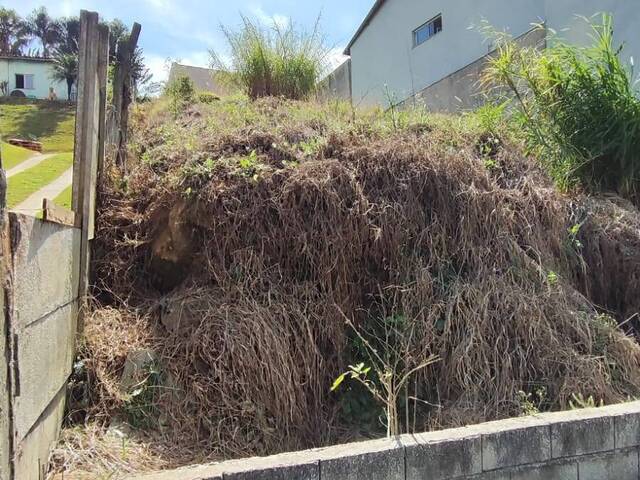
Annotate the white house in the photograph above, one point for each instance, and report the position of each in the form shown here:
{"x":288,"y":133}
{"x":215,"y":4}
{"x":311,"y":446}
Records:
{"x":428,"y":49}
{"x":31,"y":76}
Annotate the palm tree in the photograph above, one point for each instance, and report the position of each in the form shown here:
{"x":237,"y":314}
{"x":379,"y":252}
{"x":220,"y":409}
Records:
{"x":45,"y":29}
{"x":69,"y":34}
{"x":65,"y":68}
{"x":14,"y":32}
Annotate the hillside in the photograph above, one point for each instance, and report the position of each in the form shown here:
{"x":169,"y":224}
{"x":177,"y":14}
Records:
{"x":249,"y":236}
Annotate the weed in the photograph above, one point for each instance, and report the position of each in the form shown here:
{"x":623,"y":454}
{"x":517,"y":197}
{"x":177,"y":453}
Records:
{"x":181,"y":93}
{"x":531,"y":403}
{"x":578,"y":402}
{"x":579,"y":109}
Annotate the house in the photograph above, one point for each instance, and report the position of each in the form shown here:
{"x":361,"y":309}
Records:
{"x":204,"y":79}
{"x":30,"y":77}
{"x":433,"y":50}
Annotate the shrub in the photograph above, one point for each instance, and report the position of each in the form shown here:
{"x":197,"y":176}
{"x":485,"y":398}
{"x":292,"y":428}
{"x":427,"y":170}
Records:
{"x":579,"y":109}
{"x":207,"y":97}
{"x":276,"y":61}
{"x":181,"y":93}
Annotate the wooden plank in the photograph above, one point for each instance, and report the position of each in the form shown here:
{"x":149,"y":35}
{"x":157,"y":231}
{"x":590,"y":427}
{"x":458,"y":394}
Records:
{"x":53,"y":213}
{"x":103,"y":64}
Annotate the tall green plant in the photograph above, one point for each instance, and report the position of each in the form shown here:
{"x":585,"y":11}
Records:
{"x":276,"y":61}
{"x":579,"y":108}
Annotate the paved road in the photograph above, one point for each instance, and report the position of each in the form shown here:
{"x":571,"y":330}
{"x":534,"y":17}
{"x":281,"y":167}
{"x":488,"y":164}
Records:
{"x":33,"y":204}
{"x":31,"y":162}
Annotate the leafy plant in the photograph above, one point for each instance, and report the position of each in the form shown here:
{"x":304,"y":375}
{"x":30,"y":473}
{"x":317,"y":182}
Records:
{"x":578,"y":402}
{"x":531,"y":403}
{"x":391,"y":365}
{"x":579,"y":108}
{"x":140,"y":402}
{"x":181,"y":93}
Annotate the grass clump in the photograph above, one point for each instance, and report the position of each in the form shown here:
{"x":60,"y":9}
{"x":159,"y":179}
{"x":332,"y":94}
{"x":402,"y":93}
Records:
{"x":279,"y":61}
{"x":579,"y":108}
{"x":181,"y":93}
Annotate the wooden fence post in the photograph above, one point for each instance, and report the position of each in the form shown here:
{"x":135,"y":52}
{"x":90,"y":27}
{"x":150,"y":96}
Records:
{"x":90,"y":117}
{"x":122,"y":95}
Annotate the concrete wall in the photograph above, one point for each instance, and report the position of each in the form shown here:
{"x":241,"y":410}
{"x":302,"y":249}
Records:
{"x":43,"y":315}
{"x":337,"y":85}
{"x":42,"y":72}
{"x":383,"y":57}
{"x":384,"y":52}
{"x":594,"y":444}
{"x":462,"y":90}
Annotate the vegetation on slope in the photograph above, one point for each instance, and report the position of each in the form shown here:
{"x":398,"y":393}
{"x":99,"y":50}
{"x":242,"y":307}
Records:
{"x":13,"y":156}
{"x":23,"y":184}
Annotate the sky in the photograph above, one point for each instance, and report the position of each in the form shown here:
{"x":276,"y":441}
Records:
{"x":186,"y":30}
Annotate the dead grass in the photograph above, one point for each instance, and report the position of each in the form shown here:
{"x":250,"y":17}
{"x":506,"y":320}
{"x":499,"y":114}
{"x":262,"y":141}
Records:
{"x":244,"y":230}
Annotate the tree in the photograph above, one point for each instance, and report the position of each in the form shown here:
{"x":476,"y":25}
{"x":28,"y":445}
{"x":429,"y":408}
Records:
{"x":45,"y":29}
{"x":65,"y":68}
{"x":69,"y":35}
{"x":14,"y":32}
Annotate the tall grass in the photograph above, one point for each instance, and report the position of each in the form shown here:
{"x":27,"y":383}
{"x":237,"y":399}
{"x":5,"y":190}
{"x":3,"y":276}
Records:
{"x":277,"y":61}
{"x":579,"y":107}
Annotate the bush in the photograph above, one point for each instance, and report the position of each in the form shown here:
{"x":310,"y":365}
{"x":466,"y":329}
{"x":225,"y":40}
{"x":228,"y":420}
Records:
{"x":579,"y":109}
{"x":181,"y":93}
{"x":207,"y":97}
{"x":278,"y":61}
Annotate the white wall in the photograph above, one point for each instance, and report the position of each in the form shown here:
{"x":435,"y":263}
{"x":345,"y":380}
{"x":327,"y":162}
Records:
{"x":384,"y":53}
{"x":42,"y":72}
{"x":561,"y":17}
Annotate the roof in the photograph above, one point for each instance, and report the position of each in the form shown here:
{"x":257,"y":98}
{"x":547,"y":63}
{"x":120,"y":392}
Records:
{"x":202,"y":78}
{"x":25,"y":58}
{"x":364,"y":24}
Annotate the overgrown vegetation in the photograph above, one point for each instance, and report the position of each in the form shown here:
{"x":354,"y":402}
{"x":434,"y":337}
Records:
{"x":281,"y":61}
{"x":579,"y":107}
{"x":181,"y":93}
{"x":247,"y":231}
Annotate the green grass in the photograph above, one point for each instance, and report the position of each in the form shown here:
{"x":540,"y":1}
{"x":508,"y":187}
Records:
{"x":64,"y":199}
{"x":12,"y":155}
{"x":30,"y":181}
{"x":51,"y":123}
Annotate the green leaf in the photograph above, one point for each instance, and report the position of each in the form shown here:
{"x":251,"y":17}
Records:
{"x":337,"y":382}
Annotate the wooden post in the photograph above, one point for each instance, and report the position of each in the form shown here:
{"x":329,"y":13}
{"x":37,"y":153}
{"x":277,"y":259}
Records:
{"x":90,"y":111}
{"x":122,"y":94}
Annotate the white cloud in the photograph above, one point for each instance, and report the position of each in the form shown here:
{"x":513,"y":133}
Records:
{"x":281,"y":21}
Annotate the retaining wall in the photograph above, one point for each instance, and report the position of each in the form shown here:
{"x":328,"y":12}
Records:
{"x":591,"y":444}
{"x":337,"y":85}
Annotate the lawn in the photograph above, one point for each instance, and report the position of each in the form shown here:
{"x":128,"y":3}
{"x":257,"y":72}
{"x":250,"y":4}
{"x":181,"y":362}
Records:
{"x":52,"y":123}
{"x":12,"y":155}
{"x":25,"y":183}
{"x":64,"y":199}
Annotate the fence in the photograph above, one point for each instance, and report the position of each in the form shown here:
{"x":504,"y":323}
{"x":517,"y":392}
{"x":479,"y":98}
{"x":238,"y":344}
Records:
{"x":44,"y":271}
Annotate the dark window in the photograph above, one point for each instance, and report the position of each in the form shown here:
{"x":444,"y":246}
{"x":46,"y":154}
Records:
{"x":24,"y":81}
{"x":426,"y":31}
{"x":19,"y":80}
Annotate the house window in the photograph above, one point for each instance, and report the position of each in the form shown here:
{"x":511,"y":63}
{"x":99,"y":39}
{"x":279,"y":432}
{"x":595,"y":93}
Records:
{"x":426,"y":31}
{"x":24,"y":82}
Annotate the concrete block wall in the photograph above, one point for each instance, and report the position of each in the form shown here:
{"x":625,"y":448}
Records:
{"x":590,"y":444}
{"x":42,"y":323}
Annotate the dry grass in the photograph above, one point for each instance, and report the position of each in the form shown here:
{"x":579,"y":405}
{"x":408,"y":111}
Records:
{"x":245,"y":230}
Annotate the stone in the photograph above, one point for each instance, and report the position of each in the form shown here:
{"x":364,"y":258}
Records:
{"x":560,"y":471}
{"x":616,"y":466}
{"x":581,"y":436}
{"x":530,"y":444}
{"x":442,"y":459}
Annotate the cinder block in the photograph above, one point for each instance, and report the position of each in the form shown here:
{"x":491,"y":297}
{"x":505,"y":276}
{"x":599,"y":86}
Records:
{"x":276,"y":472}
{"x":562,"y":471}
{"x":530,"y":444}
{"x":496,"y":475}
{"x":582,"y":436}
{"x":627,"y":428}
{"x":374,"y":460}
{"x":443,"y":459}
{"x":617,"y":466}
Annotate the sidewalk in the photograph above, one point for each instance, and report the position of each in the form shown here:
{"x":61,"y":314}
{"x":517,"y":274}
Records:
{"x":33,"y":204}
{"x":31,"y":162}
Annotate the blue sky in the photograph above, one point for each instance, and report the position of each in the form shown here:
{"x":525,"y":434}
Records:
{"x":187,"y":29}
